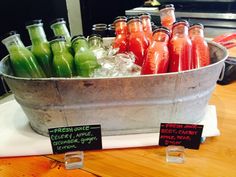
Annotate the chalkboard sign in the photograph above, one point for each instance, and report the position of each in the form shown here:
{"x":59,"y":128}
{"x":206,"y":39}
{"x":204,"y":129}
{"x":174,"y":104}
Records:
{"x":187,"y":135}
{"x":66,"y":139}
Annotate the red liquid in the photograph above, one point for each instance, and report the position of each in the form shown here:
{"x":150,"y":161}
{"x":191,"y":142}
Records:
{"x":157,"y":55}
{"x":137,"y":41}
{"x":180,"y":54}
{"x":121,"y":36}
{"x":167,"y":22}
{"x":156,"y":60}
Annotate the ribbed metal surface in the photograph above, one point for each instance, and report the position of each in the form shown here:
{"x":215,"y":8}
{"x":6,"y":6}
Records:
{"x":121,"y":105}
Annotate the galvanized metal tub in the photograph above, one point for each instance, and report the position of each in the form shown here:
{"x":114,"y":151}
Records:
{"x":123,"y":105}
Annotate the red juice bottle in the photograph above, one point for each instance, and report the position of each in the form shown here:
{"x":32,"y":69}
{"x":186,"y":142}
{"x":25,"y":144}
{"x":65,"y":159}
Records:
{"x":180,"y":48}
{"x":167,"y":15}
{"x":200,"y":49}
{"x":157,"y":55}
{"x":147,"y":26}
{"x":137,"y":41}
{"x":121,"y":40}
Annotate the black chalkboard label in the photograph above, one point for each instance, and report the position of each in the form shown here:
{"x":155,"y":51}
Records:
{"x":187,"y":135}
{"x":66,"y":139}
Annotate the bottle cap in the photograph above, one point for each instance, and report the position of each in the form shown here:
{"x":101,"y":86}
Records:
{"x":120,"y":18}
{"x":33,"y":22}
{"x":8,"y":34}
{"x":145,"y":14}
{"x":166,"y":6}
{"x":11,"y":33}
{"x":133,"y":18}
{"x":57,"y":20}
{"x":80,"y":36}
{"x":100,"y":25}
{"x":57,"y":38}
{"x":163,"y":29}
{"x":111,"y":26}
{"x":197,"y":25}
{"x":95,"y":35}
{"x":184,"y":22}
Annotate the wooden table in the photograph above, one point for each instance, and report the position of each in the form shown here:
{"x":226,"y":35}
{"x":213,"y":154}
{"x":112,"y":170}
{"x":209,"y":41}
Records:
{"x":215,"y":158}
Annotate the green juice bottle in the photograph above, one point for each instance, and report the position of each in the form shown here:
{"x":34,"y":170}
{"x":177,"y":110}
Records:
{"x":63,"y":61}
{"x":40,"y":46}
{"x":85,"y":60}
{"x":59,"y":28}
{"x":24,"y":63}
{"x":79,"y":43}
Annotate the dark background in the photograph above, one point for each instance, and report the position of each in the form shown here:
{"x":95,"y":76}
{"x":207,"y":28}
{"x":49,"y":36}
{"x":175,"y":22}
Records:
{"x":15,"y":13}
{"x":104,"y":11}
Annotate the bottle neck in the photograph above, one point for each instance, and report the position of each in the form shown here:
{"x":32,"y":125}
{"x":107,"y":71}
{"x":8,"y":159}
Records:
{"x":196,"y":32}
{"x":80,"y":45}
{"x":37,"y":34}
{"x":121,"y":27}
{"x":60,"y":29}
{"x":161,"y":37}
{"x":180,"y":31}
{"x":59,"y":47}
{"x":13,"y":43}
{"x":135,"y":26}
{"x":146,"y":22}
{"x":167,"y":16}
{"x":95,"y":42}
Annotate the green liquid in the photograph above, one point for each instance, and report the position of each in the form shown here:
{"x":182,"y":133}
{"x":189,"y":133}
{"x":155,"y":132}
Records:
{"x":60,"y":29}
{"x":63,"y":61}
{"x":85,"y":63}
{"x":24,"y":63}
{"x":85,"y":60}
{"x":62,"y":65}
{"x":41,"y":48}
{"x":43,"y":54}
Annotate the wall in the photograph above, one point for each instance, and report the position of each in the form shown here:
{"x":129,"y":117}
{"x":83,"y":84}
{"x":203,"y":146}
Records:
{"x":104,"y":11}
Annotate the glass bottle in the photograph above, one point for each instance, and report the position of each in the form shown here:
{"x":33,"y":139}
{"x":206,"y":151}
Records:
{"x":167,"y":15}
{"x":40,"y":46}
{"x":157,"y":55}
{"x":95,"y":43}
{"x":79,"y":43}
{"x":100,"y":28}
{"x":60,"y":29}
{"x":23,"y":61}
{"x":180,"y":47}
{"x":63,"y":61}
{"x":111,"y":30}
{"x":147,"y":26}
{"x":200,"y":49}
{"x":120,"y":40}
{"x":85,"y":60}
{"x":137,"y":41}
